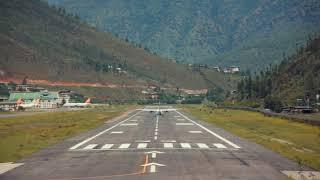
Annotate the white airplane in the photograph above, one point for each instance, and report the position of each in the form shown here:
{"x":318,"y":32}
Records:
{"x":33,"y":104}
{"x":87,"y":103}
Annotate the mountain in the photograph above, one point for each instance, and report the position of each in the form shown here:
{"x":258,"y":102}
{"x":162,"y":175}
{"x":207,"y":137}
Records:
{"x":296,"y":77}
{"x":248,"y":33}
{"x":49,"y":45}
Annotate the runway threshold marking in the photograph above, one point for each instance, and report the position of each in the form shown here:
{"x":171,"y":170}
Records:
{"x":185,"y":145}
{"x":202,"y":146}
{"x":142,"y":146}
{"x":124,"y":146}
{"x":209,"y":131}
{"x":107,"y":146}
{"x":168,"y":145}
{"x":103,"y":132}
{"x":221,"y":146}
{"x":90,"y":146}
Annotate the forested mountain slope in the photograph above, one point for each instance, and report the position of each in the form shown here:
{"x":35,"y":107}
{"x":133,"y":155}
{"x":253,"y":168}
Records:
{"x":296,"y":77}
{"x":42,"y":42}
{"x":248,"y":33}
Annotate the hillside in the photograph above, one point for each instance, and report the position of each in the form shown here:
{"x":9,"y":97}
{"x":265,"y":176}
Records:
{"x":299,"y":75}
{"x":248,"y":33}
{"x":296,"y":77}
{"x":46,"y":43}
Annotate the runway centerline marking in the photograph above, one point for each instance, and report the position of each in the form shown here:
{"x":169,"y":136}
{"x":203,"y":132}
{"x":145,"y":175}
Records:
{"x":209,"y":131}
{"x":156,"y":129}
{"x":99,"y":134}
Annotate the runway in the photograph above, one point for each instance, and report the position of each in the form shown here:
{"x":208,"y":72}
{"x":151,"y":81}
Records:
{"x":156,"y":142}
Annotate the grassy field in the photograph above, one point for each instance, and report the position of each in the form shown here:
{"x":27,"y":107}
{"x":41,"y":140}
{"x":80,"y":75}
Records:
{"x":296,"y":141}
{"x":23,"y":135}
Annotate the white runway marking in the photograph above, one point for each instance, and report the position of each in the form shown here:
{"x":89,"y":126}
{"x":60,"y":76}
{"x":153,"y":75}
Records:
{"x":107,"y":146}
{"x":184,"y":124}
{"x":177,"y":116}
{"x":221,"y":146}
{"x":129,"y":124}
{"x":156,"y":129}
{"x":202,"y":146}
{"x":180,"y":119}
{"x":185,"y":145}
{"x":116,"y":132}
{"x":124,"y":146}
{"x":209,"y":131}
{"x":168,"y":145}
{"x":5,"y":167}
{"x":152,"y":169}
{"x":90,"y":146}
{"x":168,"y":141}
{"x":305,"y":175}
{"x":99,"y":134}
{"x":195,"y":132}
{"x":142,"y":145}
{"x":143,"y":141}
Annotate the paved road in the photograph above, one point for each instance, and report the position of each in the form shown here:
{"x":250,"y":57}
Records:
{"x":147,"y":145}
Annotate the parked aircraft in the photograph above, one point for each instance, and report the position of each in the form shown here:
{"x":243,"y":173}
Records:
{"x":87,"y":103}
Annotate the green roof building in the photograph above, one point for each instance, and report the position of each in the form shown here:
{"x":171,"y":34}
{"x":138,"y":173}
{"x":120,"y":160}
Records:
{"x":46,"y":99}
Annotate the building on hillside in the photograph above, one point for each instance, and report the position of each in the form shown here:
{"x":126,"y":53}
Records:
{"x":47,"y":100}
{"x":217,"y":69}
{"x":29,"y":88}
{"x":234,"y":69}
{"x":231,"y":70}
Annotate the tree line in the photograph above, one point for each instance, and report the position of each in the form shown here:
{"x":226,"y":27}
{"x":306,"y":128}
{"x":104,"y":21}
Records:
{"x":267,"y":84}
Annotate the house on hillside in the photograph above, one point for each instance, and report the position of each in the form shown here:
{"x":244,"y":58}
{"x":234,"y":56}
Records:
{"x":217,"y":69}
{"x":231,"y":70}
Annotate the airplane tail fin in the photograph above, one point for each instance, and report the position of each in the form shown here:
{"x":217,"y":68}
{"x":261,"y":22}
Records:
{"x":88,"y":101}
{"x":20,"y":101}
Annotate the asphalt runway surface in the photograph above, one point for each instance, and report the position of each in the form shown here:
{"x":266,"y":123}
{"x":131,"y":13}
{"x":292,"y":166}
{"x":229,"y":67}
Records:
{"x":159,"y":143}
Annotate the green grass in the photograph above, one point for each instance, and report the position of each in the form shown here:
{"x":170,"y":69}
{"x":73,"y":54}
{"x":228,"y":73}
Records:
{"x":296,"y":141}
{"x":23,"y":135}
